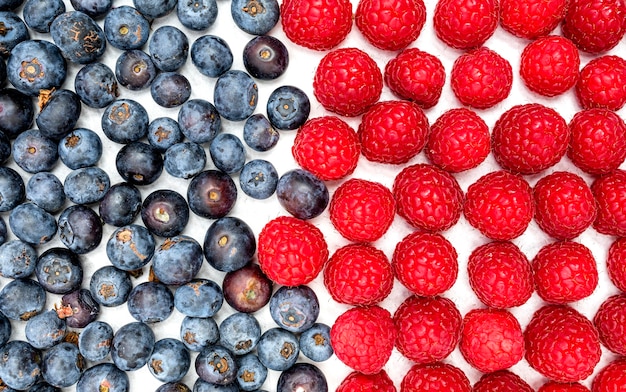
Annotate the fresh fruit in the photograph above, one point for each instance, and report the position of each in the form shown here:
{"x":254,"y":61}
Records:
{"x":531,"y":19}
{"x":608,"y":191}
{"x":616,"y":263}
{"x":601,"y":83}
{"x":177,"y":260}
{"x":315,"y":342}
{"x":265,"y":57}
{"x":247,"y":289}
{"x":302,"y":194}
{"x":197,"y":16}
{"x":227,"y":153}
{"x":463,"y":24}
{"x":256,"y":17}
{"x":609,"y":320}
{"x":288,"y":107}
{"x":240,"y":333}
{"x":235,"y":95}
{"x":294,"y":308}
{"x":356,"y":382}
{"x":211,"y":194}
{"x":595,"y":26}
{"x":278,"y":349}
{"x":552,"y":386}
{"x":435,"y":377}
{"x":610,"y":377}
{"x":501,"y":381}
{"x":302,"y":376}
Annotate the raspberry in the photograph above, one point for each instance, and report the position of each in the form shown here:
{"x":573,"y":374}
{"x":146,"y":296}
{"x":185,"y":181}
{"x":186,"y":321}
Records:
{"x":529,"y":138}
{"x":552,"y":386}
{"x":393,"y":132}
{"x":561,"y":343}
{"x":564,"y":272}
{"x":316,"y":24}
{"x":429,"y":198}
{"x":564,"y":205}
{"x":598,"y":141}
{"x":327,"y":147}
{"x":499,"y":205}
{"x":500,"y":275}
{"x":358,"y":274}
{"x":595,"y":26}
{"x":361,"y":210}
{"x":347,"y":81}
{"x":359,"y":382}
{"x":550,"y":65}
{"x":416,"y":76}
{"x":616,"y":263}
{"x":610,"y":321}
{"x":425,"y":263}
{"x":610,"y":194}
{"x":481,"y":78}
{"x":465,"y":24}
{"x":363,"y":338}
{"x":610,"y":378}
{"x":501,"y":381}
{"x":435,"y":377}
{"x":531,"y":19}
{"x":390,"y":24}
{"x":429,"y":328}
{"x":291,"y":251}
{"x":602,"y":83}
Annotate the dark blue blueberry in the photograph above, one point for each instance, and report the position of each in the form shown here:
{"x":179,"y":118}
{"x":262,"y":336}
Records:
{"x":150,"y":302}
{"x":4,"y":231}
{"x":252,"y":373}
{"x":94,"y":341}
{"x":9,"y":5}
{"x":256,"y":17}
{"x":135,"y":70}
{"x":235,"y":95}
{"x":139,"y":163}
{"x":302,"y":377}
{"x":259,"y":134}
{"x":103,"y":376}
{"x":3,"y":73}
{"x":46,"y":190}
{"x":62,"y":365}
{"x":288,"y":107}
{"x":132,"y":345}
{"x":20,"y":364}
{"x":164,"y":132}
{"x":240,"y":333}
{"x":121,"y":204}
{"x":294,"y":308}
{"x":12,"y":189}
{"x":177,"y":260}
{"x":45,"y":330}
{"x":125,"y":121}
{"x":13,"y":30}
{"x":34,"y":152}
{"x":258,"y":179}
{"x":96,"y":85}
{"x":302,"y":194}
{"x":59,"y":113}
{"x":5,"y":146}
{"x":94,"y":8}
{"x":110,"y":286}
{"x":315,"y":343}
{"x":43,"y":387}
{"x":79,"y":37}
{"x":17,"y":112}
{"x":265,"y":57}
{"x":80,"y":229}
{"x":154,"y":9}
{"x":5,"y":329}
{"x":247,"y":289}
{"x":227,"y":153}
{"x":78,"y":308}
{"x":80,"y":148}
{"x":130,"y":247}
{"x":168,"y":47}
{"x":59,"y":270}
{"x":170,"y":360}
{"x":170,"y":89}
{"x":202,"y":386}
{"x":21,"y":299}
{"x":197,"y":15}
{"x":31,"y":223}
{"x":211,"y":55}
{"x":86,"y":185}
{"x":165,"y":213}
{"x":126,"y":28}
{"x":173,"y":386}
{"x":39,"y":14}
{"x":199,"y":120}
{"x":198,"y":332}
{"x":199,"y":298}
{"x":36,"y":65}
{"x":229,"y":244}
{"x":278,"y":349}
{"x":211,"y":194}
{"x":216,"y":364}
{"x":184,"y":160}
{"x":17,"y":259}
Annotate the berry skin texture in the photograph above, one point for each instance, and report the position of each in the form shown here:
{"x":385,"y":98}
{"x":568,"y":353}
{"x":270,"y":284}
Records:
{"x":358,"y":274}
{"x":347,"y":81}
{"x":501,"y":381}
{"x":390,"y":24}
{"x":435,"y":377}
{"x":612,"y":377}
{"x":416,"y":76}
{"x":361,"y":210}
{"x":552,"y":386}
{"x":316,"y":24}
{"x":564,"y":205}
{"x":616,"y":263}
{"x":595,"y":26}
{"x":531,"y":19}
{"x":327,"y":147}
{"x":610,"y":194}
{"x":425,"y":263}
{"x":363,"y":338}
{"x":464,"y":24}
{"x":602,"y":83}
{"x":549,"y":65}
{"x":499,"y":205}
{"x":561,"y":343}
{"x":610,"y":321}
{"x":529,"y":138}
{"x":291,"y":251}
{"x":393,"y":132}
{"x":459,"y":140}
{"x":429,"y":328}
{"x":358,"y":382}
{"x":429,"y":198}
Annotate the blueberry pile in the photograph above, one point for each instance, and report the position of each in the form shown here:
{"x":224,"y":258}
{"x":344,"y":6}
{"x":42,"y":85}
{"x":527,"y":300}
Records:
{"x":125,"y":128}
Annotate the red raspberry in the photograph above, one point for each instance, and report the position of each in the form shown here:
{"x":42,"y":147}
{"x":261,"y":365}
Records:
{"x":291,"y":251}
{"x":531,"y":19}
{"x":316,"y":24}
{"x":610,"y":194}
{"x":390,"y":24}
{"x":361,"y":210}
{"x":598,"y":141}
{"x":610,"y":378}
{"x":564,"y":205}
{"x":425,"y":263}
{"x":561,"y":343}
{"x":602,"y":83}
{"x":500,"y":205}
{"x":347,"y":81}
{"x":427,"y":197}
{"x":359,"y":382}
{"x":529,"y":138}
{"x":459,"y":140}
{"x":435,"y":377}
{"x":501,"y":381}
{"x":358,"y":274}
{"x":416,"y":76}
{"x":393,"y":132}
{"x":610,"y":321}
{"x":564,"y":272}
{"x":500,"y":275}
{"x":327,"y":147}
{"x":552,"y":386}
{"x":363,"y":338}
{"x":550,"y":65}
{"x":481,"y":78}
{"x":595,"y":26}
{"x":429,"y":328}
{"x":465,"y":24}
{"x":616,"y":263}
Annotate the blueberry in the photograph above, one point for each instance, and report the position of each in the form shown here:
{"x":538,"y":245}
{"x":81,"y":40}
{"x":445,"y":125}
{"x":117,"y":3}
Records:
{"x":39,"y":14}
{"x":32,"y":224}
{"x":10,"y":5}
{"x":135,"y":70}
{"x":256,"y":17}
{"x":5,"y":329}
{"x":211,"y":194}
{"x":121,"y":204}
{"x":103,"y":376}
{"x":211,"y":55}
{"x":235,"y":95}
{"x":5,"y":146}
{"x":126,"y":28}
{"x":198,"y":332}
{"x":12,"y":189}
{"x":240,"y":333}
{"x":150,"y":302}
{"x":34,"y":152}
{"x":252,"y":373}
{"x":59,"y":113}
{"x":46,"y":191}
{"x":17,"y":114}
{"x":13,"y":31}
{"x":4,"y":231}
{"x":258,"y":179}
{"x":164,"y":132}
{"x":80,"y":229}
{"x":45,"y":330}
{"x":170,"y":360}
{"x":59,"y":270}
{"x":278,"y":349}
{"x":78,"y":308}
{"x":173,"y":386}
{"x":288,"y":107}
{"x":302,"y":377}
{"x":20,"y":364}
{"x":21,"y":299}
{"x":168,"y":47}
{"x":132,"y":345}
{"x":216,"y":364}
{"x":17,"y":259}
{"x":302,"y":194}
{"x":185,"y":159}
{"x":139,"y":163}
{"x":94,"y":341}
{"x":199,"y":120}
{"x":80,"y":148}
{"x":227,"y":153}
{"x":170,"y":89}
{"x":165,"y":213}
{"x":229,"y":244}
{"x":35,"y":65}
{"x":154,"y":9}
{"x":199,"y":298}
{"x":130,"y":247}
{"x":3,"y":73}
{"x":197,"y":15}
{"x":315,"y":342}
{"x":265,"y":57}
{"x":247,"y":289}
{"x":125,"y":121}
{"x":202,"y":386}
{"x":79,"y":37}
{"x":94,"y":8}
{"x":110,"y":286}
{"x":86,"y":185}
{"x":259,"y":134}
{"x":96,"y":85}
{"x":177,"y":260}
{"x":62,"y":365}
{"x":294,"y":308}
{"x":43,"y":386}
